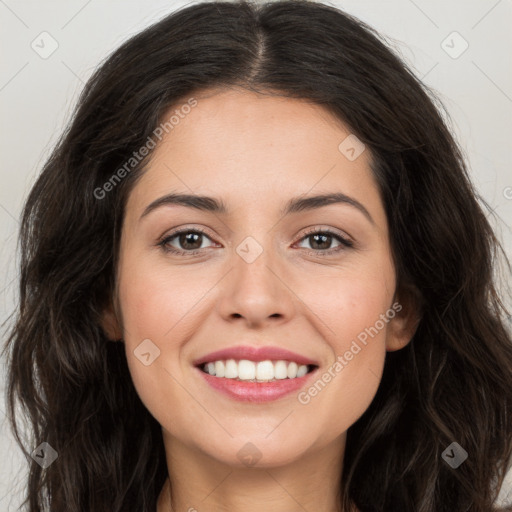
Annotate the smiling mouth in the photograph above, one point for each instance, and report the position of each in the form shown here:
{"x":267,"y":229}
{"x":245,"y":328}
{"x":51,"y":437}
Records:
{"x":251,"y":371}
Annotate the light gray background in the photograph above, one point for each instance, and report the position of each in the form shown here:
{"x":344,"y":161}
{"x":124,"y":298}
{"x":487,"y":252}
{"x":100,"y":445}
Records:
{"x":37,"y":95}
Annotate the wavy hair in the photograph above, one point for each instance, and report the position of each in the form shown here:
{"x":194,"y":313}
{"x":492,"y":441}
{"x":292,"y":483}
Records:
{"x":452,"y":382}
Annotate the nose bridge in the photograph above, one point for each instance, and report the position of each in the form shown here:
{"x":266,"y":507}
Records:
{"x":255,"y":291}
{"x":253,"y":260}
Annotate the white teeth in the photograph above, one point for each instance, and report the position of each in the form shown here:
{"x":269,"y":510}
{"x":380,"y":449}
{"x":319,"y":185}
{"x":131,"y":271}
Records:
{"x":262,"y":371}
{"x":219,"y":368}
{"x":231,"y":369}
{"x":265,"y":370}
{"x":302,"y":370}
{"x":246,"y":370}
{"x":292,"y":370}
{"x":281,"y":370}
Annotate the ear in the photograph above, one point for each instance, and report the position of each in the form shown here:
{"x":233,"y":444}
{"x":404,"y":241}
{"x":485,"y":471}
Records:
{"x":401,"y":328}
{"x":110,"y":323}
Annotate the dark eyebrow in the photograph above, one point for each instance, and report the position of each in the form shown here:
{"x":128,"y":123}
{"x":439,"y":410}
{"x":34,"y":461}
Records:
{"x":297,"y":204}
{"x":203,"y":203}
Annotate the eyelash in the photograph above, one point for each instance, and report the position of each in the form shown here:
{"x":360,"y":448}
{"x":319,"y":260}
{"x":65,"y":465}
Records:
{"x":345,"y":243}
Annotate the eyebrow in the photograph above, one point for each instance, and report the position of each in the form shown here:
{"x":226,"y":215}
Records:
{"x":294,"y":205}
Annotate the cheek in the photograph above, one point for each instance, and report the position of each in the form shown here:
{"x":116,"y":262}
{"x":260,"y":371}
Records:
{"x":156,"y":302}
{"x":360,"y":328}
{"x":164,"y":305}
{"x":350,"y":302}
{"x":346,"y":386}
{"x":353,"y":308}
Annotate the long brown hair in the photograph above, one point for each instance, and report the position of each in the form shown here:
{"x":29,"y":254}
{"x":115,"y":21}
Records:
{"x":452,"y":383}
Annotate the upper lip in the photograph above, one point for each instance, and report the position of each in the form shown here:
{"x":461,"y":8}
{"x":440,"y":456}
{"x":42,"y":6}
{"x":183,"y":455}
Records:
{"x":255,"y":354}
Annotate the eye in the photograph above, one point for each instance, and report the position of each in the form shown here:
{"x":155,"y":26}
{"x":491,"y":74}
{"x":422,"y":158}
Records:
{"x":321,"y":241}
{"x":190,"y":241}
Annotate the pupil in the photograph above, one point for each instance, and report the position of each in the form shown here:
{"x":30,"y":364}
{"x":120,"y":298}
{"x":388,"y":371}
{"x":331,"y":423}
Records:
{"x":324,"y":244}
{"x":188,"y":238}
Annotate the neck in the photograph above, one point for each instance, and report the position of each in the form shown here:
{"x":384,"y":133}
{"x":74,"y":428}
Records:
{"x":203,"y":484}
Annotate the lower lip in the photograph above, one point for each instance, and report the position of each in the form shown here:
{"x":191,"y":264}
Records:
{"x":256,"y":391}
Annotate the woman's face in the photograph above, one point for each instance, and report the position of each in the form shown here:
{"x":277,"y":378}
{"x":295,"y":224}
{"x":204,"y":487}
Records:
{"x":257,"y":277}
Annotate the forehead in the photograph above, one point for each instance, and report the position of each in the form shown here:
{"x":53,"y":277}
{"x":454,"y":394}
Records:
{"x":254,"y":148}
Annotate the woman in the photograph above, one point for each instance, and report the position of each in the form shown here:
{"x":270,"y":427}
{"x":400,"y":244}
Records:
{"x":255,"y":274}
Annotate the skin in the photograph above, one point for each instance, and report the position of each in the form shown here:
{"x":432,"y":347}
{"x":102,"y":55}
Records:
{"x":255,"y":152}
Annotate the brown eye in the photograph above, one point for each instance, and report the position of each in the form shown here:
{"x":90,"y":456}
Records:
{"x":321,"y":242}
{"x":190,"y":240}
{"x":186,"y":241}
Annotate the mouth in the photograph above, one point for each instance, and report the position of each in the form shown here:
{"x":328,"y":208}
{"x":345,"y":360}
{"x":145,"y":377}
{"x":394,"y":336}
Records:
{"x":256,"y":382}
{"x":245,"y":370}
{"x":255,"y":374}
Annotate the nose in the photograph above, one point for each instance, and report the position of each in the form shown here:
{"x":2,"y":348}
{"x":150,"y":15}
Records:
{"x":256,"y":292}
